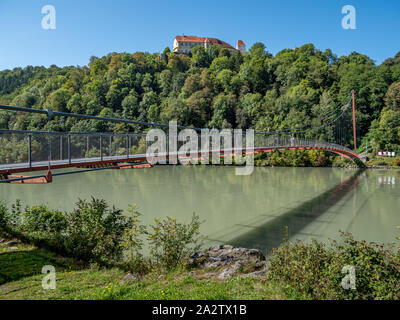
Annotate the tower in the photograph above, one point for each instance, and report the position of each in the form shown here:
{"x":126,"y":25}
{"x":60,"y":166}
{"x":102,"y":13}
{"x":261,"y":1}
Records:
{"x":241,"y":46}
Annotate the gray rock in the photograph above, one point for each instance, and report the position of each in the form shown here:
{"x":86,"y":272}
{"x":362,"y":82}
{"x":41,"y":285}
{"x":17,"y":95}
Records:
{"x":260,"y":264}
{"x":225,"y":256}
{"x":230,"y":272}
{"x":130,"y":278}
{"x":11,"y":243}
{"x":259,"y":273}
{"x":210,"y":275}
{"x":254,"y":274}
{"x":13,"y":248}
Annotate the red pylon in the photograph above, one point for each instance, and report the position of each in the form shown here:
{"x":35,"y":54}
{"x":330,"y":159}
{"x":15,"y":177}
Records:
{"x":354,"y":122}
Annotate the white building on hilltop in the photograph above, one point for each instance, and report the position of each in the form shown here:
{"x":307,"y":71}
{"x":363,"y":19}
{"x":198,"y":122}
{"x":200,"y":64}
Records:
{"x":184,"y":44}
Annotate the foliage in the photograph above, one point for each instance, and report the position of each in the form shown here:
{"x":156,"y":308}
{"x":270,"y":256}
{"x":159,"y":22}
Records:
{"x":133,"y":243}
{"x":315,"y":270}
{"x":209,"y":88}
{"x":172,"y":242}
{"x":21,"y":276}
{"x":3,"y":214}
{"x":43,"y":220}
{"x":384,"y":161}
{"x":93,"y":232}
{"x":295,"y":158}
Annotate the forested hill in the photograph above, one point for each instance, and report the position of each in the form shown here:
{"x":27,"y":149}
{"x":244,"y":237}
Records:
{"x":211,"y":88}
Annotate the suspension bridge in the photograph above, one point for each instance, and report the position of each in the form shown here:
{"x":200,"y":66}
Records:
{"x":29,"y":151}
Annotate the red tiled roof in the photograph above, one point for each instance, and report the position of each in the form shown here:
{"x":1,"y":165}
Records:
{"x":214,"y":41}
{"x":240,"y":43}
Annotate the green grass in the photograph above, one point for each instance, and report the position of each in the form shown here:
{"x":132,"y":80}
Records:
{"x":21,"y":278}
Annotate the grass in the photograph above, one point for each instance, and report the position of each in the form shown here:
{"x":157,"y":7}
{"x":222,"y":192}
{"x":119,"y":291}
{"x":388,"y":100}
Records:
{"x":21,"y":278}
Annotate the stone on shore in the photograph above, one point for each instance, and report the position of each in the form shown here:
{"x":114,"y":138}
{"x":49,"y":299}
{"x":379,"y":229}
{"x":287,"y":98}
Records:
{"x":231,"y":259}
{"x":130,"y":278}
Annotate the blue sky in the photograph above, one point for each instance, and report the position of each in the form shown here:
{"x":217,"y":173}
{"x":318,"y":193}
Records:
{"x":88,"y":27}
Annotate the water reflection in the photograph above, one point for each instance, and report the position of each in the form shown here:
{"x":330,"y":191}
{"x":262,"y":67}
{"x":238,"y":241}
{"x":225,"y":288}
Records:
{"x":270,"y":234}
{"x":250,"y":210}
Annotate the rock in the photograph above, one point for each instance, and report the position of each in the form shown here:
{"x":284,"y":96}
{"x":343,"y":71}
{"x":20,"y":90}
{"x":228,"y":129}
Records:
{"x":11,"y":243}
{"x":229,"y":272}
{"x":13,"y":248}
{"x":254,"y":274}
{"x":259,"y":273}
{"x":161,"y":277}
{"x":224,"y":256}
{"x":209,"y":275}
{"x":260,"y":264}
{"x":130,"y":278}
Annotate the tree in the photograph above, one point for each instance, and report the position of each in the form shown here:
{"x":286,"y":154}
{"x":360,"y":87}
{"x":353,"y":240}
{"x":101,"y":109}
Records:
{"x":200,"y":57}
{"x":392,"y":97}
{"x":178,"y":63}
{"x":58,"y":100}
{"x":220,"y":64}
{"x":192,"y":83}
{"x":224,"y":112}
{"x":178,"y":110}
{"x":130,"y":106}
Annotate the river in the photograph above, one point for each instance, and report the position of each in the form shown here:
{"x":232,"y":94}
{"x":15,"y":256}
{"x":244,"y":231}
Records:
{"x":250,"y":211}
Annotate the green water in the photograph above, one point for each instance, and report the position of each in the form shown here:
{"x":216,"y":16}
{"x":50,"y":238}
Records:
{"x":250,"y":211}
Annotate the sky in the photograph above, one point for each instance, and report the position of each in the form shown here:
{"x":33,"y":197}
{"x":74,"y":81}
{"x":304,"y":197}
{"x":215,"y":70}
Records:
{"x":88,"y":28}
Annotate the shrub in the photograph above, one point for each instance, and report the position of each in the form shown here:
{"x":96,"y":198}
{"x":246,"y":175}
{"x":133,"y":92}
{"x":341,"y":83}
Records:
{"x":3,"y":214}
{"x":95,"y":232}
{"x":172,"y":242}
{"x":133,"y":243}
{"x":44,"y":220}
{"x":14,"y":217}
{"x":341,"y":162}
{"x":315,"y":270}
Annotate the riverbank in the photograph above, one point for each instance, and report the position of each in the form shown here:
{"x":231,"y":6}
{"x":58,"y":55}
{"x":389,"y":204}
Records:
{"x":294,"y":271}
{"x":21,"y":278}
{"x":102,"y":252}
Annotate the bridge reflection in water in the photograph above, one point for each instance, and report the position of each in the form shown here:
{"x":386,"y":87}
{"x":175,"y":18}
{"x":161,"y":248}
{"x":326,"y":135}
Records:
{"x":270,"y":234}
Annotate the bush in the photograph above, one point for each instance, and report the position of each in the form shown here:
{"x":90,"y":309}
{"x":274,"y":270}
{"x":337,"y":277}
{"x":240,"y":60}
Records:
{"x":3,"y":214}
{"x":94,"y":232}
{"x":294,"y":158}
{"x":172,"y":242}
{"x":43,"y":220}
{"x":341,"y":162}
{"x":315,"y":270}
{"x":133,"y":244}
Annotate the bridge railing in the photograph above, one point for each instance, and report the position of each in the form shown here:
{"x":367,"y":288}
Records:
{"x":32,"y":147}
{"x":27,"y":147}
